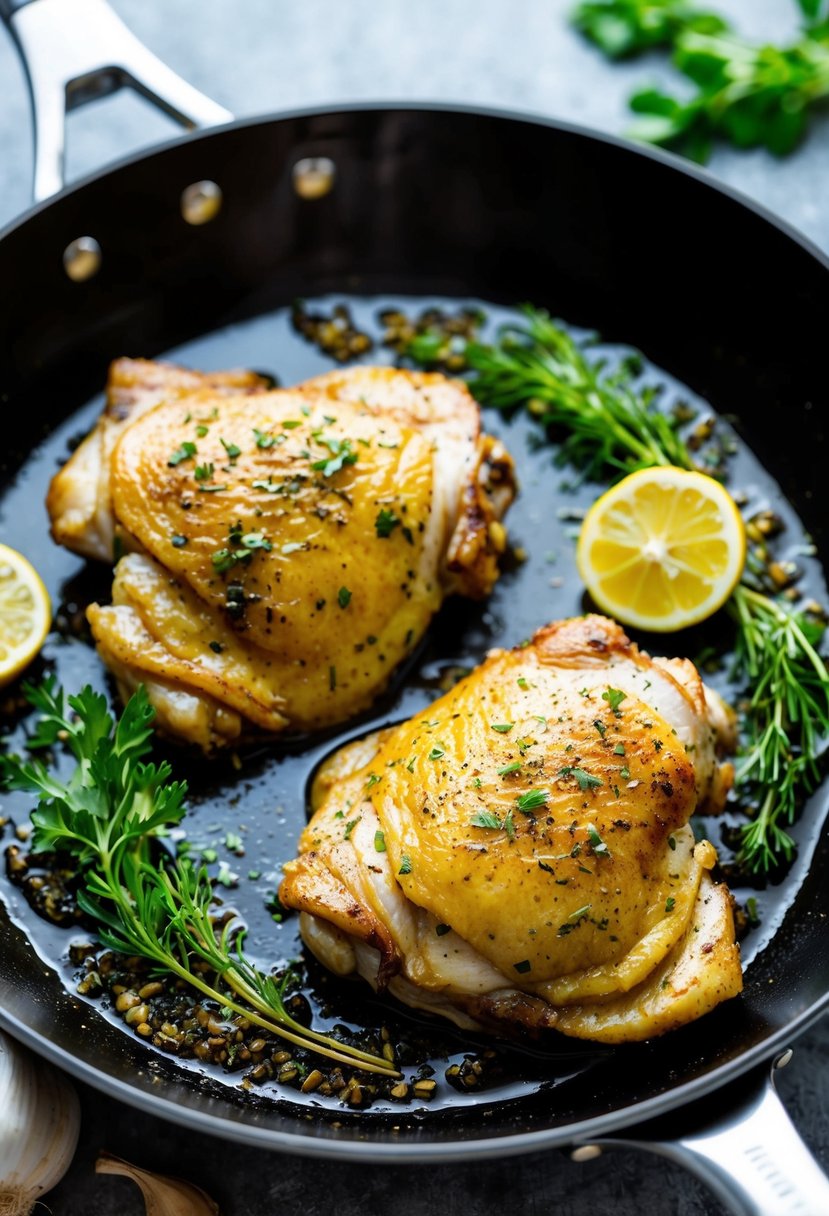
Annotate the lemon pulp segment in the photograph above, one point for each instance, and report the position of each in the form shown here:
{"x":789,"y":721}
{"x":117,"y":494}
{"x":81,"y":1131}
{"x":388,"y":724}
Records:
{"x":663,"y":549}
{"x":25,"y":613}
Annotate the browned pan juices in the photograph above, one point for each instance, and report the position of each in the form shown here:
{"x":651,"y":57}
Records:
{"x":533,"y":1085}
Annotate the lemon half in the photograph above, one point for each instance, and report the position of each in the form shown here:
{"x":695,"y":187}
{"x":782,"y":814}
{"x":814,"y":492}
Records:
{"x":663,"y":549}
{"x":25,"y":613}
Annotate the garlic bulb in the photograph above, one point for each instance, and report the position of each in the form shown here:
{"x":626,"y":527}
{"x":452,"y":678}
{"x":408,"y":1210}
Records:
{"x":39,"y":1124}
{"x":163,"y":1196}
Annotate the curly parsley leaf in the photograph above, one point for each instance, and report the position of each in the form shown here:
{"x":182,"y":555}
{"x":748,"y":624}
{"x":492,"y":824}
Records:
{"x":108,"y":816}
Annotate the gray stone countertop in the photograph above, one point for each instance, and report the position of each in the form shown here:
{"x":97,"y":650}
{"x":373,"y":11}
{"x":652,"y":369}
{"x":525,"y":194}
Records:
{"x":258,"y":56}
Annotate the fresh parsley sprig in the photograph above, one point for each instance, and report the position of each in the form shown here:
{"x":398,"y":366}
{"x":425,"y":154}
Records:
{"x":622,"y":28}
{"x":109,"y":816}
{"x":753,"y":95}
{"x":613,"y":427}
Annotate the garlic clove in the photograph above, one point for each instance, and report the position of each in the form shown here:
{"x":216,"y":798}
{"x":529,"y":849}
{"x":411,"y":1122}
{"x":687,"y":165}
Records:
{"x":163,"y":1196}
{"x":40,"y":1121}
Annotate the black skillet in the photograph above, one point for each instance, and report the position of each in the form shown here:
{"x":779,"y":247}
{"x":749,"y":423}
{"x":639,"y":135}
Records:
{"x":385,"y":202}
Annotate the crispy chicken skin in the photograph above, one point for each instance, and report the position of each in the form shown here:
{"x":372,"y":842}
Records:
{"x":79,"y":501}
{"x":519,"y":852}
{"x":285,"y":550}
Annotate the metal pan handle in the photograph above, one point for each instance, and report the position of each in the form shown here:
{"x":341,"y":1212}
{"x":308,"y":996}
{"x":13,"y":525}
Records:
{"x":75,"y":51}
{"x":752,"y":1156}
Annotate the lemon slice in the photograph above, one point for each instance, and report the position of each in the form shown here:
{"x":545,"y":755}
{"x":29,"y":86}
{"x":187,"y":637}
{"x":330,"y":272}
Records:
{"x":25,"y":613}
{"x":662,"y":549}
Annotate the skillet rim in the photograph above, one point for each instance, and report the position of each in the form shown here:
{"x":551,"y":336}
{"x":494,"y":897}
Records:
{"x":343,"y":1145}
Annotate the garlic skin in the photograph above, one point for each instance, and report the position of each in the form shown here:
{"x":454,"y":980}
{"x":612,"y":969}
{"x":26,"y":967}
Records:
{"x":40,"y":1120}
{"x":163,"y":1196}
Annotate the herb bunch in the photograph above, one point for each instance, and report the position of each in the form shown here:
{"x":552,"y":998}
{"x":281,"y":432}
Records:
{"x":108,"y":816}
{"x":610,"y":424}
{"x":612,"y":427}
{"x":622,"y":28}
{"x":753,"y":96}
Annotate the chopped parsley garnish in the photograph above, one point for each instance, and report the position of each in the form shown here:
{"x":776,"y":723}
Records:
{"x":343,"y":597}
{"x":598,"y":846}
{"x":522,"y":683}
{"x":263,"y":439}
{"x":486,"y":819}
{"x":624,"y":772}
{"x":614,"y":698}
{"x":186,"y":452}
{"x":341,"y":451}
{"x":442,"y":930}
{"x":579,"y":913}
{"x":201,"y":430}
{"x":436,"y":753}
{"x":672,"y":843}
{"x":385,"y":523}
{"x":600,"y":727}
{"x":619,"y":749}
{"x":542,"y":865}
{"x":405,"y":864}
{"x":373,"y":779}
{"x":291,"y":424}
{"x":502,"y":727}
{"x":670,"y":904}
{"x":215,"y":489}
{"x":255,"y":540}
{"x":586,"y":780}
{"x":240,"y":548}
{"x":523,"y":967}
{"x":379,"y":842}
{"x":233,"y":452}
{"x":350,"y":826}
{"x":509,"y":826}
{"x":533,"y":800}
{"x":203,"y":472}
{"x":410,"y":765}
{"x":509,"y":768}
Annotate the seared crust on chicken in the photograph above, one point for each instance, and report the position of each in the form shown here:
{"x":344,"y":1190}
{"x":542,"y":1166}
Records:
{"x":285,"y":549}
{"x":520,"y":852}
{"x":79,"y":501}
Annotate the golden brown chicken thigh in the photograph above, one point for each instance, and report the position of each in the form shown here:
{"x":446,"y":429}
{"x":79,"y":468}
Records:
{"x":520,"y":851}
{"x":285,"y":550}
{"x":80,"y":498}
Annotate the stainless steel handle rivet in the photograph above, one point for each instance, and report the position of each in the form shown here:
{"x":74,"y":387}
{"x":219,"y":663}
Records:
{"x":314,"y":176}
{"x":586,"y":1152}
{"x":82,"y":259}
{"x":201,"y":202}
{"x":784,"y":1058}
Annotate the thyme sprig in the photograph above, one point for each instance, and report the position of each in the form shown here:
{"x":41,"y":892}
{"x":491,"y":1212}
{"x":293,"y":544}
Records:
{"x":612,"y":428}
{"x":786,"y":723}
{"x":611,"y":423}
{"x":109,"y":816}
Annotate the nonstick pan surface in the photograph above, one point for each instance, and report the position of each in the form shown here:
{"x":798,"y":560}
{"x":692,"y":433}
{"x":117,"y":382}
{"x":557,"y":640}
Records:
{"x":428,"y":206}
